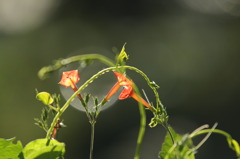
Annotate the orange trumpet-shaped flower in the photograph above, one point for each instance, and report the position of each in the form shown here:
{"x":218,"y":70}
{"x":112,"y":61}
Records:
{"x":69,"y":79}
{"x":127,"y":91}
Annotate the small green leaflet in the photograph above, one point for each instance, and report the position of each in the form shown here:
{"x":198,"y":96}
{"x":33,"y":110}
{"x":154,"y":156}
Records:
{"x":45,"y":97}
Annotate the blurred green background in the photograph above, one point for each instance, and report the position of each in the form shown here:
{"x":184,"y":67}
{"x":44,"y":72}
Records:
{"x":188,"y":47}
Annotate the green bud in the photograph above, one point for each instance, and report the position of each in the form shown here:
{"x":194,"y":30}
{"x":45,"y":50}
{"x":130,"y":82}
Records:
{"x":122,"y":57}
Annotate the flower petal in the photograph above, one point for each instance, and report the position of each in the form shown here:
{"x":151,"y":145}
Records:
{"x":112,"y":91}
{"x":127,"y":92}
{"x":141,"y":100}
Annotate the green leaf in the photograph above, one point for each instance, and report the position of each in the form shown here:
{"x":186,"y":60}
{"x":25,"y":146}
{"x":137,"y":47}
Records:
{"x":8,"y":150}
{"x":96,"y":102}
{"x":45,"y":97}
{"x":167,"y":144}
{"x":44,"y":149}
{"x":182,"y":147}
{"x":87,"y":98}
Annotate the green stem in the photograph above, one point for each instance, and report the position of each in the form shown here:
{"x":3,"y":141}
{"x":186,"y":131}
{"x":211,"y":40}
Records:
{"x":43,"y":72}
{"x":169,"y":132}
{"x":50,"y":130}
{"x":52,"y":107}
{"x":141,"y":130}
{"x":101,"y":58}
{"x":205,"y":131}
{"x":92,"y":138}
{"x":204,"y":139}
{"x":233,"y":144}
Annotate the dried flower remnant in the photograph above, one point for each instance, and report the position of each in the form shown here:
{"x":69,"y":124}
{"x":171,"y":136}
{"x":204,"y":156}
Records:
{"x":55,"y":130}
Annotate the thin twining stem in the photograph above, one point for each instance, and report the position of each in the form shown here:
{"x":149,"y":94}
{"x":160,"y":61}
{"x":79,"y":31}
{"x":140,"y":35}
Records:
{"x":43,"y":72}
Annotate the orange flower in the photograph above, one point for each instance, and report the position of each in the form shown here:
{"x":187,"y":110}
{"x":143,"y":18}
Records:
{"x":69,"y":79}
{"x":127,"y":91}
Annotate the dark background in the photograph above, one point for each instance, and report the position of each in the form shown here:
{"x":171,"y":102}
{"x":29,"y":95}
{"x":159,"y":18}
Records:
{"x":189,"y":48}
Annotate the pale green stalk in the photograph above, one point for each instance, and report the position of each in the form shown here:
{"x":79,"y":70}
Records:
{"x":43,"y":72}
{"x":233,"y":144}
{"x":92,"y":138}
{"x":141,"y":131}
{"x":142,"y":126}
{"x":99,"y":57}
{"x":205,"y":131}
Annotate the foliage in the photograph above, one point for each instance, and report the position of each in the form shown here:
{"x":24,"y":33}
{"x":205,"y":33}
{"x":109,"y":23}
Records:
{"x":10,"y":150}
{"x":175,"y":146}
{"x":37,"y":149}
{"x":181,"y":148}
